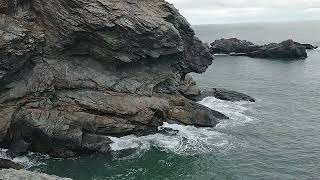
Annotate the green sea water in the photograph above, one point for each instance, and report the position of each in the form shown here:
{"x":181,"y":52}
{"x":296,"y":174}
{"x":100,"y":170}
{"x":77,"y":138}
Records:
{"x":278,"y":137}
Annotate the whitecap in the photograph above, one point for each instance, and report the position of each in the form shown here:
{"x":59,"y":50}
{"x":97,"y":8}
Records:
{"x":190,"y":140}
{"x":236,"y":111}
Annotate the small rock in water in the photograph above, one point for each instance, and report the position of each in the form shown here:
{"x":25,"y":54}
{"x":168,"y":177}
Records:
{"x":225,"y":94}
{"x":168,"y":131}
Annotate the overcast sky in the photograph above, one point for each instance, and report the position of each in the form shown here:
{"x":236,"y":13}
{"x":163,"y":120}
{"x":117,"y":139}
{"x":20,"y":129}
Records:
{"x":237,"y":11}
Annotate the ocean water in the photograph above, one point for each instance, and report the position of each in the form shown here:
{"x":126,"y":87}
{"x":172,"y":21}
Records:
{"x":278,"y":137}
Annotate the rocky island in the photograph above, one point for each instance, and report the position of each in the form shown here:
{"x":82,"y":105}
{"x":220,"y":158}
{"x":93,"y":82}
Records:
{"x":288,"y":49}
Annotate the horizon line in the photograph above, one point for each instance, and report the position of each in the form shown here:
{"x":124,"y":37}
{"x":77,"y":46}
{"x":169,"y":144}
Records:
{"x":257,"y":22}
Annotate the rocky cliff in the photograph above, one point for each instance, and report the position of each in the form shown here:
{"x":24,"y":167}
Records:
{"x":73,"y":72}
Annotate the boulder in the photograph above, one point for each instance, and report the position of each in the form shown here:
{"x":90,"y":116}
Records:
{"x":8,"y":164}
{"x":73,"y":73}
{"x":189,"y":88}
{"x":194,"y":114}
{"x":11,"y":174}
{"x":168,"y":131}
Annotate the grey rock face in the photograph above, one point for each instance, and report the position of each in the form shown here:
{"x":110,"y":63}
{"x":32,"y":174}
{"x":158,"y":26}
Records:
{"x":10,"y":174}
{"x":73,"y":72}
{"x":5,"y":120}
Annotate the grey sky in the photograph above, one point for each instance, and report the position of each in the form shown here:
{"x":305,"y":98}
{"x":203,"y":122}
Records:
{"x":233,"y":11}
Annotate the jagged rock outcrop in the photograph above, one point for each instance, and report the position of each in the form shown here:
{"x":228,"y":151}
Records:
{"x":232,"y":45}
{"x":288,"y":49}
{"x":11,"y":174}
{"x":73,"y":72}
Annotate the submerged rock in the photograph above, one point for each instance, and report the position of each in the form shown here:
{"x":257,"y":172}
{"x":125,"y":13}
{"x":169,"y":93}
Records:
{"x":224,"y":94}
{"x":168,"y":131}
{"x":73,"y":73}
{"x":11,"y":174}
{"x":288,"y":49}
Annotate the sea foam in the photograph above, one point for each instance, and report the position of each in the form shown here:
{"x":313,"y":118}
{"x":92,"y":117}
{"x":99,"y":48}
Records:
{"x":31,"y":160}
{"x":236,"y":111}
{"x":191,"y":140}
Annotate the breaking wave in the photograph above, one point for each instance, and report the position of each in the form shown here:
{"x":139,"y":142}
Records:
{"x":236,"y":111}
{"x":190,"y":140}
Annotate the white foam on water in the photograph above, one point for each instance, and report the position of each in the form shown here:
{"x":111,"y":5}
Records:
{"x":190,"y":140}
{"x":31,"y":160}
{"x":234,"y":110}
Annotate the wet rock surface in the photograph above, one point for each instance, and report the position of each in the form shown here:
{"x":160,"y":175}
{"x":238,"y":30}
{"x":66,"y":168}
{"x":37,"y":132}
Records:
{"x":224,"y":94}
{"x":288,"y":49}
{"x":8,"y":164}
{"x":73,"y":73}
